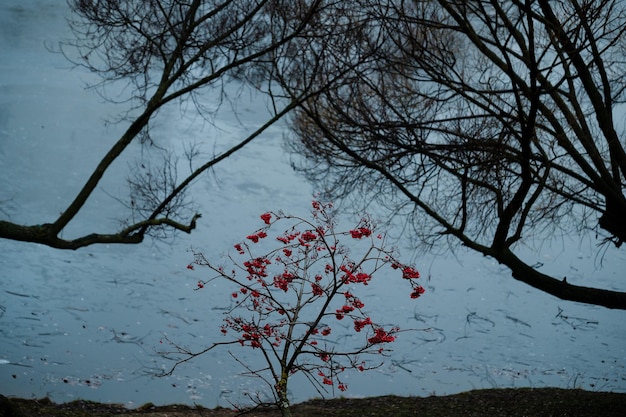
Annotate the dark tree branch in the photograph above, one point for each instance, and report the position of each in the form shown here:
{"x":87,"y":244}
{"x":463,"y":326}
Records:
{"x":559,"y":288}
{"x":46,"y":234}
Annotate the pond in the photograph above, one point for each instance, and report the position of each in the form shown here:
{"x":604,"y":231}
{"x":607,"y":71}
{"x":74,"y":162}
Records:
{"x":89,"y":324}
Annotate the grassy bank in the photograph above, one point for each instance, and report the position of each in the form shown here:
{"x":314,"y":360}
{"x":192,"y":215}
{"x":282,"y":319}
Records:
{"x":494,"y":402}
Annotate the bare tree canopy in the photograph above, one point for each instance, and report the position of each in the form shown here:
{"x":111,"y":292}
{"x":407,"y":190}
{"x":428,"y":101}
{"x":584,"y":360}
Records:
{"x":169,"y":50}
{"x":488,"y":122}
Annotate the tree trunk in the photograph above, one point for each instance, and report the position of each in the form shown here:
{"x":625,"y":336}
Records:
{"x":281,"y":391}
{"x":614,"y":221}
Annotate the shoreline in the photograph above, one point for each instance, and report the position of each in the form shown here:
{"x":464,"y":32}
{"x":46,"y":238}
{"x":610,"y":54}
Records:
{"x":482,"y":402}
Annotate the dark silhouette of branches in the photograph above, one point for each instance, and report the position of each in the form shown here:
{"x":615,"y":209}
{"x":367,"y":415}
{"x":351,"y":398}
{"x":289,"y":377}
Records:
{"x":167,"y":51}
{"x":488,"y":122}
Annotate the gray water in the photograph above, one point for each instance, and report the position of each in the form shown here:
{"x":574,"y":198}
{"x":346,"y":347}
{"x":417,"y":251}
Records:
{"x":88,"y":324}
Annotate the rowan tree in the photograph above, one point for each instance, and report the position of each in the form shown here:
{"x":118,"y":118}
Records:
{"x":292,"y":290}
